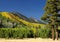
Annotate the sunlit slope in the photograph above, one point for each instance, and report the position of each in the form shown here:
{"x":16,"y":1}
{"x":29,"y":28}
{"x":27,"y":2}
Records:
{"x":6,"y":14}
{"x":16,"y":18}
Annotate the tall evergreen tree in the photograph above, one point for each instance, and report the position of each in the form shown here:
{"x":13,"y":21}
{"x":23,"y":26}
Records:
{"x":52,"y":15}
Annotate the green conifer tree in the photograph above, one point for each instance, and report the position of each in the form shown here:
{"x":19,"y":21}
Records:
{"x":52,"y":15}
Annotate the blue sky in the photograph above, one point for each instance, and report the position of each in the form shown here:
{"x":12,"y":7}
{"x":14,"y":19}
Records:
{"x":29,"y":8}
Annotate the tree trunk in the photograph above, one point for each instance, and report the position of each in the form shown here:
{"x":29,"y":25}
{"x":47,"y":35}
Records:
{"x":53,"y":34}
{"x":56,"y":30}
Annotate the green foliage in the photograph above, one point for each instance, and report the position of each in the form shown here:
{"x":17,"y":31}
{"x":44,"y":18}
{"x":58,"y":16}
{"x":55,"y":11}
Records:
{"x":45,"y":33}
{"x":52,"y":10}
{"x":19,"y":33}
{"x":24,"y":33}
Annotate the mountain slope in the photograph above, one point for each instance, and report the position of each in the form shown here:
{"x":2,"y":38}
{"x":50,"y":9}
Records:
{"x":18,"y":18}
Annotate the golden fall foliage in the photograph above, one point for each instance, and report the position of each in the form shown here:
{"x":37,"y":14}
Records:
{"x":16,"y":18}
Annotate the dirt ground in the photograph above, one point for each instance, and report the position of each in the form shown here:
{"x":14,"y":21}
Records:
{"x":29,"y":40}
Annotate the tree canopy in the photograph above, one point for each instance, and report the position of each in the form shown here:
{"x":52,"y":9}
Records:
{"x":52,"y":15}
{"x":52,"y":12}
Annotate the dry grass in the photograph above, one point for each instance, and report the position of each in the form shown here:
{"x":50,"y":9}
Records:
{"x":29,"y":40}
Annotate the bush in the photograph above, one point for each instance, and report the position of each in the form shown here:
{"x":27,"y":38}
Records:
{"x":4,"y":33}
{"x":14,"y":33}
{"x":44,"y":33}
{"x":24,"y":32}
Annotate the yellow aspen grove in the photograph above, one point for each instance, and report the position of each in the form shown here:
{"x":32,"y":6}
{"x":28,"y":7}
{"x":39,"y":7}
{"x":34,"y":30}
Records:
{"x":17,"y":19}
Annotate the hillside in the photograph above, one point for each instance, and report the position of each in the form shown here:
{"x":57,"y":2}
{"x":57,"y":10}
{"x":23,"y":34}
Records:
{"x":19,"y":18}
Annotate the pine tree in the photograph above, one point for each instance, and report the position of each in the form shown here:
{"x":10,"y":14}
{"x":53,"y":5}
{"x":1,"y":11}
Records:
{"x":52,"y":15}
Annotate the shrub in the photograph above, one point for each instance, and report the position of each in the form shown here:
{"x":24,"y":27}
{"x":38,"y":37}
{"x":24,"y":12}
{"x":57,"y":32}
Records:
{"x":14,"y":32}
{"x":24,"y":32}
{"x":45,"y":33}
{"x":4,"y":33}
